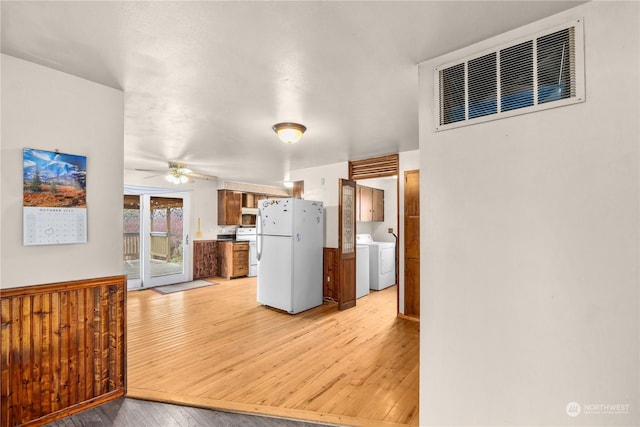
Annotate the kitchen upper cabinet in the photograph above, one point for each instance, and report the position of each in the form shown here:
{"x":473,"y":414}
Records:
{"x":260,"y":197}
{"x":377,"y":214}
{"x":249,"y":200}
{"x":230,"y":204}
{"x":229,"y":207}
{"x":370,"y":206}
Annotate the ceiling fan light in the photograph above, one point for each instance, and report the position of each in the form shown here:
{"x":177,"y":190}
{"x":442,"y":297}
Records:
{"x":183,"y":179}
{"x":172,"y":178}
{"x":289,"y":132}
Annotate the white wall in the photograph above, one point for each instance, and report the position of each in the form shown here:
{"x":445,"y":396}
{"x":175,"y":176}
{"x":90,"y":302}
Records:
{"x":321,"y":184}
{"x":530,"y":253}
{"x":49,"y":110}
{"x":204,"y":199}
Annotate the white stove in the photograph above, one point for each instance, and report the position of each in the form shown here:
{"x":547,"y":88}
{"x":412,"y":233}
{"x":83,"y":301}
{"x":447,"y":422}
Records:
{"x":249,"y":234}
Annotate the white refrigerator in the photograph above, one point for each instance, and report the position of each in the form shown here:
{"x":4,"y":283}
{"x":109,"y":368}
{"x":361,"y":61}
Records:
{"x":290,"y":235}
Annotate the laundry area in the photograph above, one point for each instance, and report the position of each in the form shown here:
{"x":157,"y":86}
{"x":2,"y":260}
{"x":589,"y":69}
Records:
{"x":376,"y":263}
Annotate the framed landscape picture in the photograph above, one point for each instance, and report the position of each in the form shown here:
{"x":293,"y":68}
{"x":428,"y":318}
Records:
{"x":54,"y":198}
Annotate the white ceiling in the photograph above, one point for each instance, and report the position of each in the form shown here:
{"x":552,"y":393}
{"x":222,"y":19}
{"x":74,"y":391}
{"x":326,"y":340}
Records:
{"x":205,"y":81}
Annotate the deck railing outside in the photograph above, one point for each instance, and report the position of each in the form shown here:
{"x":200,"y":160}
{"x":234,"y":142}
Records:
{"x":131,"y":246}
{"x":160,"y":245}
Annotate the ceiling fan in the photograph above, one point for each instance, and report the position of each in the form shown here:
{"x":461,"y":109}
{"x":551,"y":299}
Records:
{"x":179,"y":173}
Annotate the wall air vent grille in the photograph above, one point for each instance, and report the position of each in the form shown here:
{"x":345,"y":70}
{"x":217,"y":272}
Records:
{"x":542,"y":71}
{"x":375,"y":167}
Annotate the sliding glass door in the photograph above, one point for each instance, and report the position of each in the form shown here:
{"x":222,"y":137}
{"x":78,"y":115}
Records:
{"x":156,"y":239}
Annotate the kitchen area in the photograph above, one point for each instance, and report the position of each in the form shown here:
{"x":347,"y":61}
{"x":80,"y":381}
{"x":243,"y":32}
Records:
{"x":286,"y":232}
{"x":235,"y":250}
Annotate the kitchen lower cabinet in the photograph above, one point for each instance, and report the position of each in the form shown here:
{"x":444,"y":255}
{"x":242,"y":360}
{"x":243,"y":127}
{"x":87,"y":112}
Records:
{"x":205,"y":259}
{"x":233,"y":259}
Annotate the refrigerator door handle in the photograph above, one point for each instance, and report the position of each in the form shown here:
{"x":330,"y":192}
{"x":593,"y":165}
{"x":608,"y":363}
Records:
{"x":259,"y":235}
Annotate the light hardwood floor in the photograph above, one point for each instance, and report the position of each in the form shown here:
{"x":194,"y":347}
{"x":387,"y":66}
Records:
{"x":217,"y":347}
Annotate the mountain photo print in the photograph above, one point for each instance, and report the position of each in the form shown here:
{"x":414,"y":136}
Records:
{"x":53,"y":179}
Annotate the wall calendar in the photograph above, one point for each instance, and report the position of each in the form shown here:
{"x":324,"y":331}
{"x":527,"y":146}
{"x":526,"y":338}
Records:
{"x":54,"y":202}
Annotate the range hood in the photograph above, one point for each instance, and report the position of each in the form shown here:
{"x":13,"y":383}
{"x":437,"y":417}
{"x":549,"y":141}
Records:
{"x":249,"y":211}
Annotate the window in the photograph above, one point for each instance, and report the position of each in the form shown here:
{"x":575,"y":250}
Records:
{"x":531,"y":74}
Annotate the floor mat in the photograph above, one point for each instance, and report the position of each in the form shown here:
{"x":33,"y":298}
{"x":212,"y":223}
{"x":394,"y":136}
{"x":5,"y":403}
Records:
{"x":185,"y":286}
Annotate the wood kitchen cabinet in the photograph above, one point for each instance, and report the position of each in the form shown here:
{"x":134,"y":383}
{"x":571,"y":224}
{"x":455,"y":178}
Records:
{"x":205,"y":259}
{"x":377,"y":197}
{"x":260,"y":197}
{"x":249,"y":200}
{"x":233,"y":259}
{"x":370,"y":206}
{"x":230,"y":204}
{"x":229,"y":207}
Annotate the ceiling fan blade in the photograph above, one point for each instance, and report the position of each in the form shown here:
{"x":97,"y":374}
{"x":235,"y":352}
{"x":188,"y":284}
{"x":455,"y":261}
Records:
{"x":202,"y":176}
{"x":151,"y":170}
{"x":179,"y":169}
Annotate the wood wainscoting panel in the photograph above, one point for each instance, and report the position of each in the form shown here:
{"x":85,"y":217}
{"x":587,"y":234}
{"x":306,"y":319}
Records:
{"x":331,"y":274}
{"x":63,"y":348}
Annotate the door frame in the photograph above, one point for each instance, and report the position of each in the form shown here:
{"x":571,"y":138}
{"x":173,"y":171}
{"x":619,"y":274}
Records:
{"x":380,"y":167}
{"x":147,"y":282}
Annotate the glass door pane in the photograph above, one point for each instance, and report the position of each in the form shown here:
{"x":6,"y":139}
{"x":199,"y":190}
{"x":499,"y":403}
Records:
{"x":131,"y":240}
{"x":166,"y":239}
{"x":166,"y":236}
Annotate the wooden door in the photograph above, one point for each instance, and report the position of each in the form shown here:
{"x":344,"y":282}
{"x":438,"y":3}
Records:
{"x":347,"y":244}
{"x":412,"y":243}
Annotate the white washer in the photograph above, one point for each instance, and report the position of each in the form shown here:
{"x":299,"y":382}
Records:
{"x":382,"y":262}
{"x":362,"y":270}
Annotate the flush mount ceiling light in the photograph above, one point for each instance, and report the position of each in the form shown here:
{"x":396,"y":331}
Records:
{"x":289,"y":132}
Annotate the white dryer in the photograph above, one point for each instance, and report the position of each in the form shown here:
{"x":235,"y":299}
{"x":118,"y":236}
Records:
{"x":382,"y":262}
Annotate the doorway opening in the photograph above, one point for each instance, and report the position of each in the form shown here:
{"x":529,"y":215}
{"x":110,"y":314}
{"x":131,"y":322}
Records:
{"x":377,"y":210}
{"x":155,"y":238}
